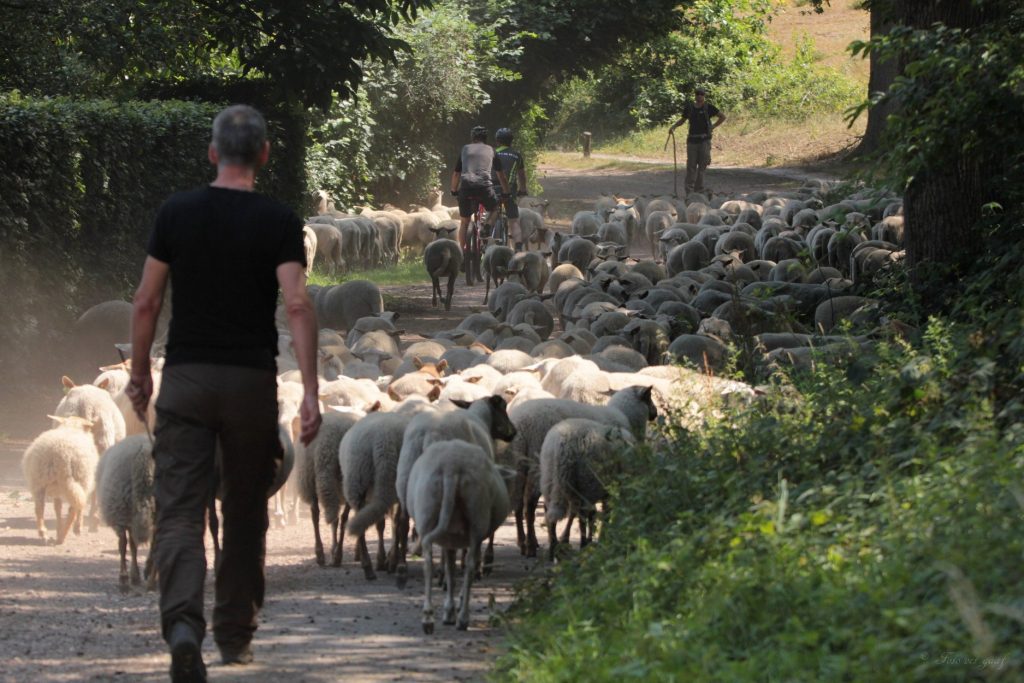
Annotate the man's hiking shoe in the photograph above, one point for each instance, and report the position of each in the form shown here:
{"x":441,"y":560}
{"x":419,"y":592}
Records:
{"x":186,"y":656}
{"x":236,"y":655}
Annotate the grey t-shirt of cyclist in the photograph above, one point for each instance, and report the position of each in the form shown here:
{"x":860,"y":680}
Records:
{"x":476,"y":164}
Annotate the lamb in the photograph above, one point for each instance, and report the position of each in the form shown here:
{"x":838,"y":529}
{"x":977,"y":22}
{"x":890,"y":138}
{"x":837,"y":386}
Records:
{"x":629,"y":408}
{"x":328,"y":245}
{"x":530,"y":270}
{"x":125,"y":493}
{"x":309,"y":246}
{"x":564,"y":272}
{"x":481,"y":423}
{"x":531,"y":225}
{"x":368,"y":457}
{"x":575,"y":457}
{"x":656,"y":222}
{"x":495,"y":265}
{"x":586,"y":223}
{"x":457,"y":497}
{"x":535,"y":314}
{"x":320,"y":483}
{"x":340,"y":306}
{"x":61,"y":463}
{"x":442,"y":257}
{"x":95,"y":405}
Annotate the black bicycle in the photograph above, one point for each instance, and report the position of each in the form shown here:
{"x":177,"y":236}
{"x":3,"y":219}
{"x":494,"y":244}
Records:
{"x":474,"y":246}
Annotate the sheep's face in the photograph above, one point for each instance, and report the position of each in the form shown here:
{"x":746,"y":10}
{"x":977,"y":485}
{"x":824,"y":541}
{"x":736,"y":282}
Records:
{"x":501,"y":427}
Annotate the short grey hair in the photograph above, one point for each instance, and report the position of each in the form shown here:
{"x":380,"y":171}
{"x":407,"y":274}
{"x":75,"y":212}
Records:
{"x":238,"y":135}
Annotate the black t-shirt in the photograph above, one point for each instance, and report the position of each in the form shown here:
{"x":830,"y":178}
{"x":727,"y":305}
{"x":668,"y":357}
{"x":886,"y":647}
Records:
{"x":511,"y":162}
{"x":476,"y":164}
{"x":223,"y":247}
{"x":700,"y":120}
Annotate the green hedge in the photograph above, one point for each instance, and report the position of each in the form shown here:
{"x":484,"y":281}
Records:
{"x":80,"y":182}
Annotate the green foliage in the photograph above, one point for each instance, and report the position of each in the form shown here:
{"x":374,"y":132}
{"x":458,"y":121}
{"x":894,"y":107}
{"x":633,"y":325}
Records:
{"x":721,"y":44}
{"x":960,"y":96}
{"x":859,"y":525}
{"x":305,"y":50}
{"x":82,"y":182}
{"x":389,"y":143}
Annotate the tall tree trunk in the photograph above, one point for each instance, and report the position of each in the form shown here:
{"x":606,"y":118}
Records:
{"x":942,"y":206}
{"x":882,"y":74}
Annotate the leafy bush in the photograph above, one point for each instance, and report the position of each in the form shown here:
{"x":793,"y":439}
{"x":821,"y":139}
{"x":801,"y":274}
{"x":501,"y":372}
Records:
{"x":389,"y":144}
{"x":82,"y":182}
{"x":859,"y":525}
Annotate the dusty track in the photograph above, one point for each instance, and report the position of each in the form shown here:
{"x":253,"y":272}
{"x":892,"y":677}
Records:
{"x":62,"y":617}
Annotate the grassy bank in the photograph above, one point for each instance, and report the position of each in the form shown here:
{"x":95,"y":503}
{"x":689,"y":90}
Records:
{"x":859,"y":523}
{"x":408,"y":271}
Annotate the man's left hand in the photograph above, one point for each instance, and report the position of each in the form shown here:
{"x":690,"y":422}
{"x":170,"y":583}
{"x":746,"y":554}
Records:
{"x":309,"y":418}
{"x":139,"y":391}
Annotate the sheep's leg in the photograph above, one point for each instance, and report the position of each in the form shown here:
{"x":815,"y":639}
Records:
{"x":584,"y":541}
{"x":489,"y":557}
{"x":451,"y":292}
{"x":293,"y":505}
{"x":122,"y":551}
{"x":149,"y":571}
{"x":318,"y":544}
{"x":467,"y":582}
{"x":435,"y":290}
{"x":134,"y":547}
{"x":94,"y":518}
{"x":338,"y":538}
{"x":519,"y":496}
{"x":428,"y":587}
{"x":564,"y":538}
{"x":449,"y":589}
{"x":382,"y":557}
{"x":531,"y":532}
{"x":487,"y":287}
{"x":402,"y":544}
{"x":279,"y":508}
{"x":74,"y":513}
{"x":40,"y":500}
{"x":552,"y":540}
{"x":364,"y":557}
{"x":58,"y":511}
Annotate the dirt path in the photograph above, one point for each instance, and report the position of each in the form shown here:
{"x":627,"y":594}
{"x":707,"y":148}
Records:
{"x":62,"y":617}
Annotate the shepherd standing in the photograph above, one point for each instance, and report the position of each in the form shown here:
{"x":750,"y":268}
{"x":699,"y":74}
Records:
{"x":698,"y":138}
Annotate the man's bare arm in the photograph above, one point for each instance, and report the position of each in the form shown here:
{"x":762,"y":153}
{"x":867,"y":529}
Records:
{"x":148,"y":301}
{"x":302,"y":322}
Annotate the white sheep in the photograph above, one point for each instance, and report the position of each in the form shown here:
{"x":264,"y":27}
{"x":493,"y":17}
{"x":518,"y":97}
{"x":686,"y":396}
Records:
{"x":630,"y":408}
{"x":61,"y":463}
{"x":576,"y":457}
{"x":125,"y":495}
{"x":319,"y":481}
{"x":309,"y":246}
{"x":457,"y":497}
{"x":368,"y":457}
{"x":481,"y":423}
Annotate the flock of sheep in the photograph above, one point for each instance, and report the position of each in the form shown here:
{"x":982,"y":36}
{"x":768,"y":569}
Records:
{"x":539,"y":394}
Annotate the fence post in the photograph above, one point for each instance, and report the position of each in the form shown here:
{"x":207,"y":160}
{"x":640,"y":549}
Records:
{"x":586,"y":144}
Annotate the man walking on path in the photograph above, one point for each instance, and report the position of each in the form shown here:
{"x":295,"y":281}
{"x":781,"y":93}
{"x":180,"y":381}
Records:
{"x":698,"y":138}
{"x":227,"y":249}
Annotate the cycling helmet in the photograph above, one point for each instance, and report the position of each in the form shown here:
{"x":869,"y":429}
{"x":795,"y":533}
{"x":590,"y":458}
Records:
{"x":478,"y":133}
{"x":504,"y":136}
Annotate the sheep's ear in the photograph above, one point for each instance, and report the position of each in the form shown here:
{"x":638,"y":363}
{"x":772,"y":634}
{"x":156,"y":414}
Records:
{"x":392,"y":395}
{"x":67,"y":382}
{"x":58,"y":420}
{"x":104,"y":383}
{"x":435,"y":382}
{"x":376,"y":407}
{"x":497,"y":402}
{"x":645,"y":393}
{"x":460,"y":403}
{"x":417,"y":362}
{"x":473,"y":380}
{"x":442,"y":366}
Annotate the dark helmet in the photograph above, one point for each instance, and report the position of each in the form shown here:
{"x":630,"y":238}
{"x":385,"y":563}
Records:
{"x":478,"y":133}
{"x":504,"y":136}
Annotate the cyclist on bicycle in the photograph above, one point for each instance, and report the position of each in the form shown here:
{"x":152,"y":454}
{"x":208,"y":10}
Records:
{"x":515,"y":170}
{"x":472,"y":181}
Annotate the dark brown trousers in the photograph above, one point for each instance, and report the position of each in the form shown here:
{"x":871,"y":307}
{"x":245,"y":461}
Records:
{"x":201,"y":405}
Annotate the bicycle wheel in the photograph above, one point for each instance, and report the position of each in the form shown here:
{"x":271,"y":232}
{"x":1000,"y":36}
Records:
{"x":472,"y":245}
